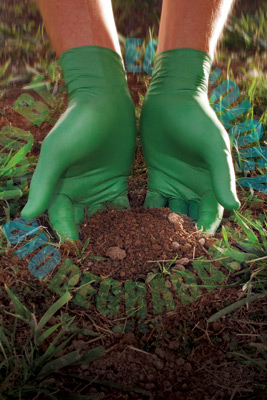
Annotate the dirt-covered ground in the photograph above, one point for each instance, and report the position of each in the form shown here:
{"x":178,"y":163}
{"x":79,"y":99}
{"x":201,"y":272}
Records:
{"x":170,"y":351}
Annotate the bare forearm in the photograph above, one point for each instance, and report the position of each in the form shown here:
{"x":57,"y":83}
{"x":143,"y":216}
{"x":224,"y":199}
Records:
{"x":195,"y":24}
{"x":76,"y":23}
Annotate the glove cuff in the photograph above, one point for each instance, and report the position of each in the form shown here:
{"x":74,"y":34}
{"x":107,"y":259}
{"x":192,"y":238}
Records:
{"x":181,"y":69}
{"x":92,"y":67}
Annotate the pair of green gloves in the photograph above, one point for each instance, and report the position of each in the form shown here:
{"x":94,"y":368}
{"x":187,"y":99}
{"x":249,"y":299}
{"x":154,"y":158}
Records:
{"x":85,"y":159}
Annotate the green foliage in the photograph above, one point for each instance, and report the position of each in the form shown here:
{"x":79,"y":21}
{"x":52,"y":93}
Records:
{"x":3,"y":69}
{"x":163,"y":270}
{"x":14,"y":163}
{"x":81,"y":253}
{"x":250,"y":250}
{"x":254,"y":246}
{"x":248,"y":29}
{"x":27,"y":369}
{"x":252,"y":354}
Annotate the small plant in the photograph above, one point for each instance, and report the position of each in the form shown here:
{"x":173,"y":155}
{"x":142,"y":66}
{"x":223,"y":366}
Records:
{"x":163,"y":270}
{"x":253,"y":247}
{"x":27,"y":370}
{"x":81,"y":253}
{"x":4,"y":81}
{"x":250,"y":251}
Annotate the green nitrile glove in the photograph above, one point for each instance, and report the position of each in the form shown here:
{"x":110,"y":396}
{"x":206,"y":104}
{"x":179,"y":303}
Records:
{"x":86,"y":158}
{"x":186,"y":148}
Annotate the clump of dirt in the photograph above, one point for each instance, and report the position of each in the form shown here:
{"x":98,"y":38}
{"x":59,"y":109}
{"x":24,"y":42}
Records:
{"x":128,"y":244}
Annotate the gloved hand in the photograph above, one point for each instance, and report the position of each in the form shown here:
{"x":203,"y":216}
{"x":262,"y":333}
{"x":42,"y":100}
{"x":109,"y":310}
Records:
{"x":85,"y":160}
{"x":186,"y":148}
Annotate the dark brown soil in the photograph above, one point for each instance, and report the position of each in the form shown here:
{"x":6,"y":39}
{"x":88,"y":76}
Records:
{"x":176,"y":355}
{"x":145,"y":235}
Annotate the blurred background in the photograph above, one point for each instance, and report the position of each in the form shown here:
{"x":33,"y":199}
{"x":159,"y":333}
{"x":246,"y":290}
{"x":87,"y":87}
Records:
{"x":24,"y":42}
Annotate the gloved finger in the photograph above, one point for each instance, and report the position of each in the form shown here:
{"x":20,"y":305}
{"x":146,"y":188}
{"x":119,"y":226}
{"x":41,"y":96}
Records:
{"x":154,"y":200}
{"x":179,"y":205}
{"x":119,"y":203}
{"x":61,"y":217}
{"x":223,"y":179}
{"x":78,"y":212}
{"x":45,"y":177}
{"x":211,"y":213}
{"x":194,"y":207}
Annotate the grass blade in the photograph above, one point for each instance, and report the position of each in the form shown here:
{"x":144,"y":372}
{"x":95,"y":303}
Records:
{"x":250,"y":360}
{"x":22,"y":311}
{"x":250,"y":234}
{"x":59,"y":363}
{"x":234,"y":306}
{"x":51,"y":311}
{"x":47,"y":333}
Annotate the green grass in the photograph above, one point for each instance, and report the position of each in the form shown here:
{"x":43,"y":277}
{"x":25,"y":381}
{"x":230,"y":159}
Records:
{"x":250,"y":251}
{"x":25,"y":368}
{"x":248,"y":30}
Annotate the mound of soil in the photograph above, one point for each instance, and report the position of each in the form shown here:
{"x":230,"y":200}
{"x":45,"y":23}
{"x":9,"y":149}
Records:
{"x":127,"y":244}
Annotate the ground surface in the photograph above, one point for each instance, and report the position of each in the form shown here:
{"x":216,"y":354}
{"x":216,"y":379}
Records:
{"x":172,"y":354}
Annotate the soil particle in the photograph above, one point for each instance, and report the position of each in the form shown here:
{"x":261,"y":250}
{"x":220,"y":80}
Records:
{"x":201,"y":241}
{"x":175,"y":245}
{"x":116,"y":253}
{"x":183,"y":261}
{"x":179,"y":267}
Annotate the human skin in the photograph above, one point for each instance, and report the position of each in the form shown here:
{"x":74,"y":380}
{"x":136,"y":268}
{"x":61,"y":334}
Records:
{"x":191,"y":24}
{"x":186,"y":148}
{"x":85,"y":159}
{"x":75,"y":23}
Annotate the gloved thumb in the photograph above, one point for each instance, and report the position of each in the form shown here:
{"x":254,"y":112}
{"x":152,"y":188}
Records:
{"x":223,"y":179}
{"x":45,"y":177}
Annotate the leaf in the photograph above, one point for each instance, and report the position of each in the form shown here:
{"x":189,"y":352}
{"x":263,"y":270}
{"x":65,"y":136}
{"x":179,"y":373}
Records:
{"x":59,"y":363}
{"x":250,"y":360}
{"x":62,"y":345}
{"x":85,"y":245}
{"x":22,"y":311}
{"x":4,"y":67}
{"x":52,"y":350}
{"x":263,"y":235}
{"x":247,"y":247}
{"x":97,"y":258}
{"x":234,"y":306}
{"x":4,"y":340}
{"x":84,"y":332}
{"x":51,"y":311}
{"x":47,"y":333}
{"x":225,"y":237}
{"x":150,"y":276}
{"x":18,"y":157}
{"x":25,"y":369}
{"x":6,"y":80}
{"x":250,"y":234}
{"x":236,"y":254}
{"x":91,"y":355}
{"x":11,"y":194}
{"x":262,"y":348}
